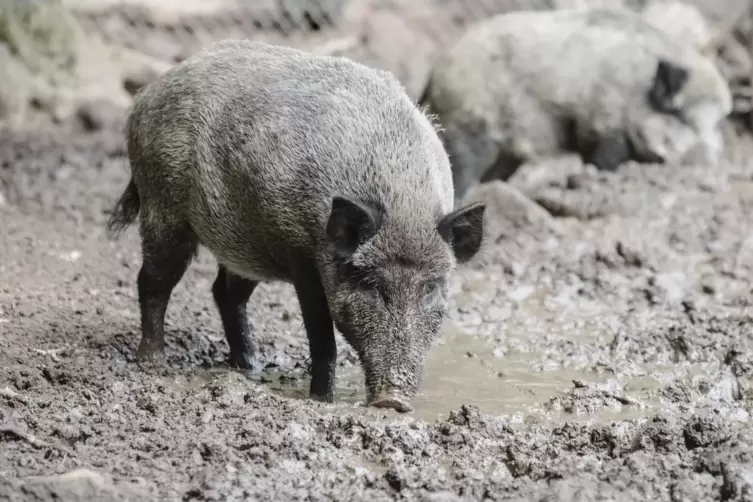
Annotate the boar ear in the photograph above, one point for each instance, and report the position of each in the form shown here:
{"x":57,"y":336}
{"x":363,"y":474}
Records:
{"x":463,"y":229}
{"x":669,"y":79}
{"x":351,"y":223}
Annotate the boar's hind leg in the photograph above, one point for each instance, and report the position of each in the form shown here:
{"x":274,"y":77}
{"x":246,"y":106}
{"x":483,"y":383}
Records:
{"x":231,"y":294}
{"x":321,"y":334}
{"x":167,"y":250}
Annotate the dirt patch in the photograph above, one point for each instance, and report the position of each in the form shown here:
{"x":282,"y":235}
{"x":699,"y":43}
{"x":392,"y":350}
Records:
{"x":618,"y":339}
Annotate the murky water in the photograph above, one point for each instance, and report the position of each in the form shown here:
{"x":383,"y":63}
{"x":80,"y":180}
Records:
{"x":461,"y":370}
{"x":464,"y":368}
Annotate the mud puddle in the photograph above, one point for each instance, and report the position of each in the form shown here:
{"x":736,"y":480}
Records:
{"x":461,"y":369}
{"x":502,"y":372}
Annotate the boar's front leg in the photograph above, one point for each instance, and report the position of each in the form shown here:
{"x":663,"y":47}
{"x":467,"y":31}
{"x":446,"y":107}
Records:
{"x":320,"y":331}
{"x":231,"y":293}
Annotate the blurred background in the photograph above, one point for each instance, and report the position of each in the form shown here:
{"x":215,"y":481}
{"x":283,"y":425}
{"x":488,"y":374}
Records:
{"x":80,"y":61}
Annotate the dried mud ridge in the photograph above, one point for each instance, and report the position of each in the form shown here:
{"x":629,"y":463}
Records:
{"x":662,"y":253}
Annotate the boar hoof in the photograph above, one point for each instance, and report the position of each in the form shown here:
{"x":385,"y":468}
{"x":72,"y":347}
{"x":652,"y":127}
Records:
{"x":149,"y":353}
{"x":323,"y":399}
{"x":393,"y":402}
{"x":243,"y":361}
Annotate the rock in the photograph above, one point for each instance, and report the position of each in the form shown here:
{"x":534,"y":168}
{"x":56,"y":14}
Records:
{"x":99,"y":114}
{"x":581,"y":202}
{"x":77,"y":485}
{"x":140,"y":70}
{"x":136,"y":80}
{"x":508,"y":210}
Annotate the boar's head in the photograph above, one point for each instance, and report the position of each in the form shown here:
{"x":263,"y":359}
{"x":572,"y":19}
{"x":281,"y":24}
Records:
{"x":387,"y":286}
{"x":686,"y":108}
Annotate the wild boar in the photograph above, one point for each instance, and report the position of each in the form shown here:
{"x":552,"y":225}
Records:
{"x":683,"y":22}
{"x":604,"y":83}
{"x":314,"y":170}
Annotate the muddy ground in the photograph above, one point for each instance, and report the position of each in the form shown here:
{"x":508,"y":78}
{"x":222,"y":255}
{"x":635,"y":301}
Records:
{"x":601,"y":349}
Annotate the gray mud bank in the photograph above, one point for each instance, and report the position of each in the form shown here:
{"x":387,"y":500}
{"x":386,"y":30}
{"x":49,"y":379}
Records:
{"x":602,"y":350}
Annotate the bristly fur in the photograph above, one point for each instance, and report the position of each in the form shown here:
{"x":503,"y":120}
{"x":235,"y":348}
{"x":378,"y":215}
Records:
{"x":433,"y":118}
{"x":315,"y":170}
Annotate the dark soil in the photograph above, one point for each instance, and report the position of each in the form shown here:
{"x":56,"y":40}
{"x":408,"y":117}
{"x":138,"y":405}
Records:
{"x":663,"y":253}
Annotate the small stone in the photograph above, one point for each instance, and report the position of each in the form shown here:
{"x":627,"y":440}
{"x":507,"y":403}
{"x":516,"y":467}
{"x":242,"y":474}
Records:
{"x":82,"y":485}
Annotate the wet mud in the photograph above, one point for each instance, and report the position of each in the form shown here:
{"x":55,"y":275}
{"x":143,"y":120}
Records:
{"x":600,"y":349}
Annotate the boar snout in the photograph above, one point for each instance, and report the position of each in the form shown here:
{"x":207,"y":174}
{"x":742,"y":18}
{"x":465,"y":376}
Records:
{"x":390,"y":398}
{"x":395,"y":390}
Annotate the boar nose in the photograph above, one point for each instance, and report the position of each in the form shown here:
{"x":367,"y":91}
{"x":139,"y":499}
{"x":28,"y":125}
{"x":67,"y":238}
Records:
{"x":391,"y":400}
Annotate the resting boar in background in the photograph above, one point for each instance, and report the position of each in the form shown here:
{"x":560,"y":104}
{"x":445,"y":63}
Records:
{"x":604,"y":83}
{"x":683,"y":22}
{"x":314,"y":170}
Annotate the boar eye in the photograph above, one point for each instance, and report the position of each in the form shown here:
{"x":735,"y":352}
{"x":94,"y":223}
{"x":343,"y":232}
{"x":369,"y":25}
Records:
{"x":365,"y":280}
{"x":432,"y":291}
{"x":380,"y":292}
{"x":376,"y":290}
{"x":430,"y":287}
